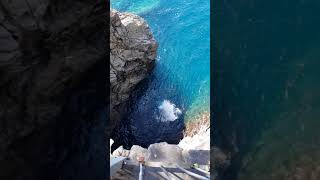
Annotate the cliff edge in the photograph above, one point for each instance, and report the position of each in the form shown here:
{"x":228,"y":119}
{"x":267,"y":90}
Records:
{"x":132,"y":57}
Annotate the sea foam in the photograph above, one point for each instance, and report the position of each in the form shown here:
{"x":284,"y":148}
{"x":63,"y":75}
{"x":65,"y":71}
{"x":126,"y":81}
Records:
{"x":137,"y":6}
{"x":169,"y":111}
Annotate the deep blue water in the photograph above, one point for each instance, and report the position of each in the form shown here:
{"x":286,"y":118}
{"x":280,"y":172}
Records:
{"x":179,"y":86}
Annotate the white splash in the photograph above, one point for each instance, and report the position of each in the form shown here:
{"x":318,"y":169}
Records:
{"x":136,"y":7}
{"x":169,"y":111}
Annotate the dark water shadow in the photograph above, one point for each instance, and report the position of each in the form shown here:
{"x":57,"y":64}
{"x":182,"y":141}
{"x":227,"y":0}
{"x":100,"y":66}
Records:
{"x":140,"y":125}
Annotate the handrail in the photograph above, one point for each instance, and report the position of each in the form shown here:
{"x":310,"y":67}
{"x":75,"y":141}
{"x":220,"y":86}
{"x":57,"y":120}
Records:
{"x":166,"y":172}
{"x":192,"y":174}
{"x":141,"y":172}
{"x":141,"y":161}
{"x":115,"y":164}
{"x":201,"y":170}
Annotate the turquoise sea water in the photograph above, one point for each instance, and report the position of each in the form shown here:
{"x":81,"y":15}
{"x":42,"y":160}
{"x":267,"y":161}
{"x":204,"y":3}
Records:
{"x":179,"y":87}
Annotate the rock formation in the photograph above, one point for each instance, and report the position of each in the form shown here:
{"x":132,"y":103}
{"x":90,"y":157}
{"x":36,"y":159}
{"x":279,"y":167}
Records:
{"x":132,"y":57}
{"x":52,"y":54}
{"x":53,"y":103}
{"x":185,"y":154}
{"x":190,"y":150}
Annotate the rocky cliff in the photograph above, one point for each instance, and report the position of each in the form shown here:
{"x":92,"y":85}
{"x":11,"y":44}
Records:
{"x":194,"y":148}
{"x":190,"y":150}
{"x":132,"y":57}
{"x":53,"y":103}
{"x":52,"y":94}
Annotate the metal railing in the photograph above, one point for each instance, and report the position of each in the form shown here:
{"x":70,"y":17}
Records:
{"x":116,"y":164}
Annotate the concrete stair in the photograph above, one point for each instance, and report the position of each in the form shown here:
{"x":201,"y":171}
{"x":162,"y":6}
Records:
{"x":153,"y":171}
{"x":164,"y":155}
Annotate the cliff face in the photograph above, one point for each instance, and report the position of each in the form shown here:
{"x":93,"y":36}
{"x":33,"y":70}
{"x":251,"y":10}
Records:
{"x":50,"y":113}
{"x":53,"y":106}
{"x":132,"y":57}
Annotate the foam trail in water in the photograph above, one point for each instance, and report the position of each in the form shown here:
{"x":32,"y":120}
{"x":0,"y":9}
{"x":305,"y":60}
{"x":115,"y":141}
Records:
{"x":137,"y":6}
{"x":169,"y":111}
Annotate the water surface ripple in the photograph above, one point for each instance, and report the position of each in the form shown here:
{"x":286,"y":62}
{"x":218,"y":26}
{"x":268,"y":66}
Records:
{"x":178,"y":88}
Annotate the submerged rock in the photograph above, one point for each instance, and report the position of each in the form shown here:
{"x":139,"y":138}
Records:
{"x":132,"y":57}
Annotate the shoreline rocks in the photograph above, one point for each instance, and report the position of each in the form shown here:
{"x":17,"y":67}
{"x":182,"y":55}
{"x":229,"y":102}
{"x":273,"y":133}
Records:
{"x":172,"y":153}
{"x":190,"y":150}
{"x":162,"y":154}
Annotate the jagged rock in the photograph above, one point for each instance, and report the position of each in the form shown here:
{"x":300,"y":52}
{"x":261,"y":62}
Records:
{"x":132,"y":57}
{"x":138,"y":151}
{"x":165,"y":155}
{"x":200,"y":141}
{"x":201,"y":157}
{"x":190,"y":150}
{"x":120,"y":151}
{"x":164,"y":152}
{"x":48,"y":49}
